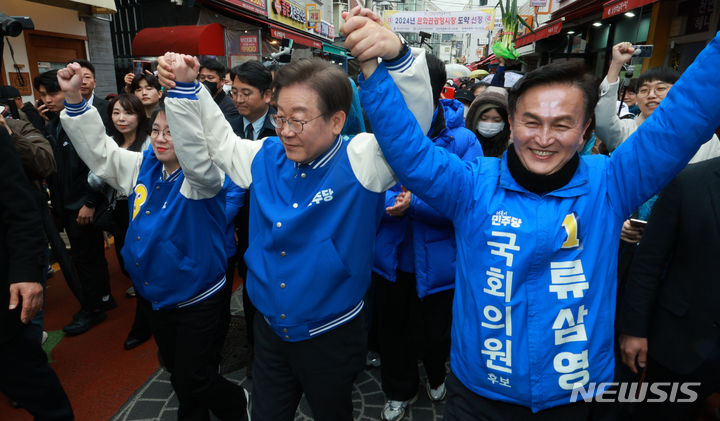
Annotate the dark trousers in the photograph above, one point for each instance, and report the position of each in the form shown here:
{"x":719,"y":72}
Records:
{"x":464,"y":405}
{"x":87,"y":249}
{"x":324,"y":368}
{"x":190,"y":342}
{"x":411,"y":329}
{"x":708,"y":375}
{"x":26,"y":378}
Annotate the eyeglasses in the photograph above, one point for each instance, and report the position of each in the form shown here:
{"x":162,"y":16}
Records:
{"x":156,"y":132}
{"x":295,"y":125}
{"x":660,"y":90}
{"x":239,"y":95}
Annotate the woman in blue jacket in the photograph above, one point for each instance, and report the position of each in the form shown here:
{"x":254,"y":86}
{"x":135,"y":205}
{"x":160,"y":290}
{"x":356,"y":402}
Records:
{"x":414,"y":270}
{"x":175,"y":250}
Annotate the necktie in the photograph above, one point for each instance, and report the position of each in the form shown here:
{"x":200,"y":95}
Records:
{"x":250,"y":132}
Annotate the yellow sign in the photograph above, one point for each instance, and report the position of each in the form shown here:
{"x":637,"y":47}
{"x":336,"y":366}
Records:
{"x":314,"y":16}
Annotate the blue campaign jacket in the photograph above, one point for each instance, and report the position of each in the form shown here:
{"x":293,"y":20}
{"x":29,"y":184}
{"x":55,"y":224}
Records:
{"x":175,"y":249}
{"x":432,"y":241}
{"x":533,"y":315}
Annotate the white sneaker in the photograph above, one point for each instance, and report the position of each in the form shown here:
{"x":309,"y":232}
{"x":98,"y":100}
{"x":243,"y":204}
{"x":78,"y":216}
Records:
{"x":394,"y":410}
{"x":436,"y":394}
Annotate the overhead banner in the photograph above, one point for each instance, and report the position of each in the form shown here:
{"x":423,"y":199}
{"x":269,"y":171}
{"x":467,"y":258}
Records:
{"x":440,"y":22}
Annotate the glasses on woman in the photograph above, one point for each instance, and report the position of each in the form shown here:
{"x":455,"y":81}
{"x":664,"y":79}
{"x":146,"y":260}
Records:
{"x":156,"y":132}
{"x":295,"y":125}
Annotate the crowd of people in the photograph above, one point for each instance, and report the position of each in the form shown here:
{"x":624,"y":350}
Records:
{"x":537,"y":237}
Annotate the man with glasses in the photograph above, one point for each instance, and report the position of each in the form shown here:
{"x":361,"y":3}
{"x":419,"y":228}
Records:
{"x":251,"y":95}
{"x":652,"y":86}
{"x":316,"y":201}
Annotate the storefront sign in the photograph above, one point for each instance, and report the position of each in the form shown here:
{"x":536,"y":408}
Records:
{"x":313,"y":16}
{"x":440,"y":22}
{"x":540,"y":33}
{"x":538,"y":3}
{"x":615,"y":7}
{"x":249,"y":44}
{"x":255,"y":6}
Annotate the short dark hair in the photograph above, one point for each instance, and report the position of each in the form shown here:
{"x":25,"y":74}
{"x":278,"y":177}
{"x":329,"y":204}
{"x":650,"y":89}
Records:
{"x":160,"y":108}
{"x":331,"y":84}
{"x":214,"y":66}
{"x":132,"y":105}
{"x":567,"y":73}
{"x":150,"y":79}
{"x":438,"y":76}
{"x":662,"y":74}
{"x":254,"y":74}
{"x":48,"y":80}
{"x":84,"y":63}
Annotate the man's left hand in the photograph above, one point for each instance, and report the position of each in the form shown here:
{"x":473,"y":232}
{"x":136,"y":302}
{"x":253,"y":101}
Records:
{"x":32,"y":299}
{"x":402,"y":203}
{"x":85,"y":215}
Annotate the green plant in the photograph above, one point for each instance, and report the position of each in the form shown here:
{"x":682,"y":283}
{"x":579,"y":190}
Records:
{"x":511,"y":20}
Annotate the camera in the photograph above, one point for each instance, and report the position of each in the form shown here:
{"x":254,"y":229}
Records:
{"x":12,"y":26}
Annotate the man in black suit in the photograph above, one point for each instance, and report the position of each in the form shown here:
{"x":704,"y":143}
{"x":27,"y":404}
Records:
{"x":252,"y":95}
{"x":88,"y":92}
{"x":25,"y":375}
{"x":74,"y":203}
{"x":669,"y":317}
{"x":212,"y":75}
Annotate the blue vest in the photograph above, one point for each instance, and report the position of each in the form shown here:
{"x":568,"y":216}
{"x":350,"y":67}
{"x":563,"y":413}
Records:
{"x":174,"y":247}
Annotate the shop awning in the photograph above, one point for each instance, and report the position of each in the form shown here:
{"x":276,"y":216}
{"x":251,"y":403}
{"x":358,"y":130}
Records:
{"x":578,"y":9}
{"x":615,"y":7}
{"x":94,"y":6}
{"x":332,"y":49}
{"x":280,"y":32}
{"x":544,"y":31}
{"x":187,"y":39}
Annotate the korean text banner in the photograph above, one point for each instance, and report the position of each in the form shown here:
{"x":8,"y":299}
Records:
{"x":441,"y":22}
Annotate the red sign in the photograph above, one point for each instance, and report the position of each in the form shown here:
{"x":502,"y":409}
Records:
{"x":255,"y":6}
{"x":545,"y":31}
{"x":249,"y":44}
{"x":616,"y":7}
{"x":307,"y":41}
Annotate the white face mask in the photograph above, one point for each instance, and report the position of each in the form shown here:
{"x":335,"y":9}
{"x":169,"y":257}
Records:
{"x":227,"y":88}
{"x":488,"y":129}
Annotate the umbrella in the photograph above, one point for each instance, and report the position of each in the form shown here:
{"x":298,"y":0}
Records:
{"x":511,"y":79}
{"x":477,"y":74}
{"x":454,"y":70}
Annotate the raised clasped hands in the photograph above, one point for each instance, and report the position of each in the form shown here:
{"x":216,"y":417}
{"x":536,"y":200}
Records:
{"x":367,"y":38}
{"x":174,"y":67}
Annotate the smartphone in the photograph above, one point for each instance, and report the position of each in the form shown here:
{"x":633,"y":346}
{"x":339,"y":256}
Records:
{"x":643,"y":50}
{"x":448,"y":92}
{"x":637,"y":223}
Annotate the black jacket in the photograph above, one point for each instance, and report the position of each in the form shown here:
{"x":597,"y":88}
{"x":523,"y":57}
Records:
{"x":69,"y":189}
{"x":267,"y":129}
{"x":226,"y":105}
{"x":673,"y":292}
{"x":21,"y":234}
{"x":102,"y":107}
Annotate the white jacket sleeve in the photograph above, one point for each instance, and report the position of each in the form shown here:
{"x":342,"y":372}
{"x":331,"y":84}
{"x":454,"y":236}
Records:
{"x":116,"y":166}
{"x":229,"y":151}
{"x":203,"y":179}
{"x":708,"y":150}
{"x":610,"y":128}
{"x":412,"y":77}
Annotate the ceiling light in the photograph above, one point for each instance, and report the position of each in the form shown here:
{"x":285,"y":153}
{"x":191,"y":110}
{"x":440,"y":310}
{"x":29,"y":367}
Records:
{"x":597,"y":24}
{"x":570,"y":32}
{"x":630,"y":14}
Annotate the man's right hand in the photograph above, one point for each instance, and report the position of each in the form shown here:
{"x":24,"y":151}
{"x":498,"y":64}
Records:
{"x":631,"y":234}
{"x":631,"y":347}
{"x":621,"y":54}
{"x":128,"y":81}
{"x":70,"y":81}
